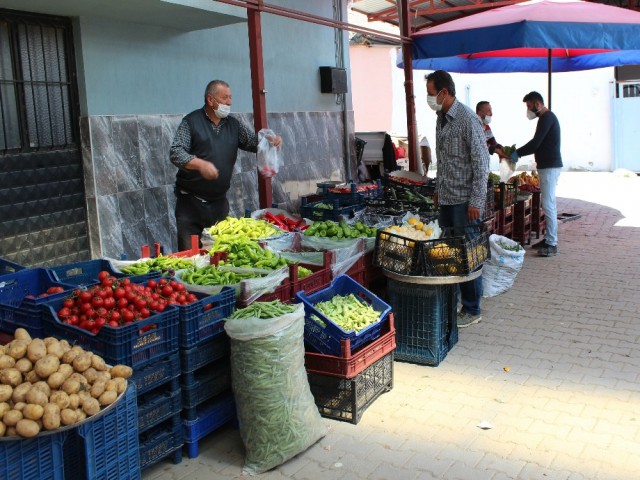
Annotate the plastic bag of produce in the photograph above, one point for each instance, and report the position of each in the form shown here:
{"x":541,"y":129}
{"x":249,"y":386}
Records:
{"x":268,"y":154}
{"x":277,"y":414}
{"x":499,"y":272}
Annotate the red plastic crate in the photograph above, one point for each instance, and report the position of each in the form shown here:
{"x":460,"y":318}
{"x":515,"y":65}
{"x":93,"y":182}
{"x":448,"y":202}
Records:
{"x":351,"y":363}
{"x":157,"y":250}
{"x":282,"y":293}
{"x":319,"y":279}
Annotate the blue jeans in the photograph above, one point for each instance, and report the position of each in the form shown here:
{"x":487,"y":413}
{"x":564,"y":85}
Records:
{"x":471,"y":291}
{"x":548,"y":182}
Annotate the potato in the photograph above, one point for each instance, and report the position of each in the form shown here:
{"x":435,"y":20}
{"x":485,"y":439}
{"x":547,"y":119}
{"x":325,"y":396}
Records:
{"x":65,"y":346}
{"x":84,"y":383}
{"x":103,"y":376}
{"x":60,"y":398}
{"x":68,"y":416}
{"x":71,"y":385}
{"x":51,"y":416}
{"x":70,"y":356}
{"x":74,"y":401}
{"x":6,"y":392}
{"x":19,"y":406}
{"x":10,"y":376}
{"x":4,"y":408}
{"x":80,"y":415}
{"x":46,"y":366}
{"x":11,"y":432}
{"x":32,"y":377}
{"x":84,"y":396}
{"x":108,"y":397}
{"x":90,"y":406}
{"x":112,"y":385}
{"x":3,"y":429}
{"x":121,"y":371}
{"x":32,"y":411}
{"x":12,"y":417}
{"x":37,"y":396}
{"x":20,"y":392}
{"x":36,"y":350}
{"x":24,"y":365}
{"x":22,"y":334}
{"x":98,"y":363}
{"x":27,"y":428}
{"x":55,"y":349}
{"x":55,"y":380}
{"x":65,"y":369}
{"x":82,"y":362}
{"x":121,"y":384}
{"x":43,"y":386}
{"x":91,"y":374}
{"x":7,"y":361}
{"x":17,"y":348}
{"x":98,"y":388}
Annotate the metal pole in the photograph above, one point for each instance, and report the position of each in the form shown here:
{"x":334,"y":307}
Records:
{"x":403,"y":15}
{"x":549,"y":70}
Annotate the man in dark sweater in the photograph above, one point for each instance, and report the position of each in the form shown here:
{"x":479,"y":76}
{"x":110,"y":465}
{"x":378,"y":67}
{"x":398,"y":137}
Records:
{"x":545,"y":146}
{"x":485,"y":112}
{"x":204,"y":149}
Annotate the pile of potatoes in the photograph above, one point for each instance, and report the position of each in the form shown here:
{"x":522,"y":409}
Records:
{"x":47,"y":383}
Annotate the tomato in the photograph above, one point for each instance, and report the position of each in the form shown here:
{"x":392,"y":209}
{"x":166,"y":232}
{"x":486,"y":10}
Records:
{"x":97,"y":302}
{"x":152,"y":284}
{"x":103,"y":274}
{"x":113,"y":323}
{"x":154,"y":304}
{"x":122,"y":303}
{"x":191,"y":298}
{"x":69,"y":303}
{"x":107,"y":283}
{"x":127,"y":315}
{"x":64,"y":312}
{"x":130,"y":296}
{"x":72,"y":320}
{"x":208,"y":307}
{"x":145,"y":313}
{"x":179,"y":287}
{"x":100,"y":292}
{"x":101,"y":312}
{"x":100,"y":321}
{"x":119,"y":293}
{"x":115,"y":315}
{"x":85,"y":296}
{"x":109,"y":303}
{"x":91,"y":313}
{"x":161,"y":307}
{"x":162,"y":282}
{"x":166,"y":291}
{"x":126,"y":281}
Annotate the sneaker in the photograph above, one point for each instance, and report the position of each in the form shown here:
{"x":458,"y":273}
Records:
{"x":465,"y":319}
{"x":548,"y":251}
{"x":541,"y":244}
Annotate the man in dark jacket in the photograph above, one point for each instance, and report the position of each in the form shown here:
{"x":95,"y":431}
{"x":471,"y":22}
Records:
{"x":545,"y":146}
{"x":485,"y":112}
{"x":204,"y":149}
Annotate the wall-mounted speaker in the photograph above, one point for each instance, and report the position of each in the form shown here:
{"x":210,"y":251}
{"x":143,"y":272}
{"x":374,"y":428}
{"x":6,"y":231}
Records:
{"x":333,"y":80}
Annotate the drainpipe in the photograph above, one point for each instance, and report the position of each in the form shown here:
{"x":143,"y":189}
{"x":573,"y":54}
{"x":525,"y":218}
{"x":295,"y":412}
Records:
{"x":342,"y":98}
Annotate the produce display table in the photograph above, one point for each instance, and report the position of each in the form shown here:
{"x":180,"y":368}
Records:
{"x":425,"y":310}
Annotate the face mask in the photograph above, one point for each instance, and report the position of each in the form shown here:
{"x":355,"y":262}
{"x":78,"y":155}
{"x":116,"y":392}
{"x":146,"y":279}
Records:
{"x":432,"y":101}
{"x":487,"y":119}
{"x":531,"y":115}
{"x":222,"y":111}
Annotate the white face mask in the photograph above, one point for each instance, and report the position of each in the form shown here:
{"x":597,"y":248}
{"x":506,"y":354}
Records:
{"x":432,"y":101}
{"x":222,"y":111}
{"x":531,"y":115}
{"x":487,"y":119}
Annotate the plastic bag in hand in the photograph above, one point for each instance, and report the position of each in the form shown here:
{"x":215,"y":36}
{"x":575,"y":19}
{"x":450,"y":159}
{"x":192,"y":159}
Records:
{"x":506,"y":169}
{"x":268,"y":154}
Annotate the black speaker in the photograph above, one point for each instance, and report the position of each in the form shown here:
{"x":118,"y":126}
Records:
{"x":333,"y":80}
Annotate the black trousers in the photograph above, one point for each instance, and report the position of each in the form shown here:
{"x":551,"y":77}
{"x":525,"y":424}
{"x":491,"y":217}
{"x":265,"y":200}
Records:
{"x":194,"y":215}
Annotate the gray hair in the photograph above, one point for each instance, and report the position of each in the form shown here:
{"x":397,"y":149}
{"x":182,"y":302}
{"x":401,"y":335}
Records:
{"x":212,"y":88}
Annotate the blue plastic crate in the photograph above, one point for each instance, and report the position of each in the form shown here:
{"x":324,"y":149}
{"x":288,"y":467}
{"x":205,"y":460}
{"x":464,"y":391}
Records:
{"x":158,"y":405}
{"x":205,"y":353}
{"x":136,"y":344}
{"x":340,"y":210}
{"x":86,"y":272}
{"x":326,"y":338}
{"x":157,"y":373}
{"x":111,"y":447}
{"x":160,"y":442}
{"x":7,"y":266}
{"x":211,"y":416}
{"x":203,"y":384}
{"x":425,"y":319}
{"x":38,"y":458}
{"x":204,"y":319}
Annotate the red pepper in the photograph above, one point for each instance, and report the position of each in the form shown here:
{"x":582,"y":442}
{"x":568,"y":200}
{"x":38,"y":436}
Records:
{"x":270,"y":217}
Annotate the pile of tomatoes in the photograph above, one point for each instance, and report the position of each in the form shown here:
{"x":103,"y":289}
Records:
{"x":117,"y":302}
{"x":49,"y":291}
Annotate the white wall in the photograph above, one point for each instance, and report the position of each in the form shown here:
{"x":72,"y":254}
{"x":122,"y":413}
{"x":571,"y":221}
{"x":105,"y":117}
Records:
{"x":581,"y":100}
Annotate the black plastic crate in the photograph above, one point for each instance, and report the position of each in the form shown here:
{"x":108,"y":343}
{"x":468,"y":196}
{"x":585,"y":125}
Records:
{"x":205,"y":353}
{"x":459,"y":251}
{"x":157,"y":373}
{"x":331,"y":209}
{"x":158,"y":405}
{"x":505,"y":194}
{"x":398,"y":254}
{"x":426,"y":321}
{"x":347,"y":399}
{"x":203,"y":384}
{"x":161,"y":441}
{"x":489,"y":206}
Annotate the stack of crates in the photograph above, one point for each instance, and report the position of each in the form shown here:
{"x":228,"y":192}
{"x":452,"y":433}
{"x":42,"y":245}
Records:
{"x":347,"y":371}
{"x":205,"y":373}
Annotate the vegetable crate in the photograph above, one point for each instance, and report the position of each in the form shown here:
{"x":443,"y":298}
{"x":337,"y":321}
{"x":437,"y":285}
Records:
{"x":319,"y":278}
{"x":161,"y":441}
{"x":426,"y":327}
{"x":7,"y":266}
{"x":460,"y":251}
{"x":205,"y":383}
{"x":282,"y":292}
{"x":38,"y":458}
{"x":159,"y":404}
{"x":136,"y":344}
{"x":18,"y":310}
{"x":86,"y":272}
{"x":351,"y":362}
{"x":504,"y":195}
{"x":334,"y":209}
{"x":489,"y":206}
{"x":210,"y":416}
{"x":347,"y":399}
{"x":160,"y":372}
{"x":398,"y":254}
{"x":204,"y":319}
{"x":326,"y":336}
{"x":204,"y":353}
{"x":107,"y":447}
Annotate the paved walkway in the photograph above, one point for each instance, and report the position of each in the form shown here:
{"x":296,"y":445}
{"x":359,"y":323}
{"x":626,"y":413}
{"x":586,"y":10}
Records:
{"x":567,"y":406}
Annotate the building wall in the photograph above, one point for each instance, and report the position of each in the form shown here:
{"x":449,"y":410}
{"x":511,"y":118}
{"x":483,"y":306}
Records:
{"x":372,"y":81}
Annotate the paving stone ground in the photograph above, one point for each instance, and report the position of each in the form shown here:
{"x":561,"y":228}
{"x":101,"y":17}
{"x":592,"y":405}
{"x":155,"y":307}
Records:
{"x":566,"y":409}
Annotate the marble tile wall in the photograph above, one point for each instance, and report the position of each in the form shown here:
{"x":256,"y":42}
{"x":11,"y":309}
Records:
{"x":129,"y":178}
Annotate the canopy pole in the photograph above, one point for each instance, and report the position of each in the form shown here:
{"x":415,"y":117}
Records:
{"x":549,"y":68}
{"x":412,"y":141}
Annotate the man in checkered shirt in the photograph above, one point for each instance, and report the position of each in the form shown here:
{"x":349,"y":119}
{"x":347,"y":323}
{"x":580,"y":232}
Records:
{"x":462,"y":171}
